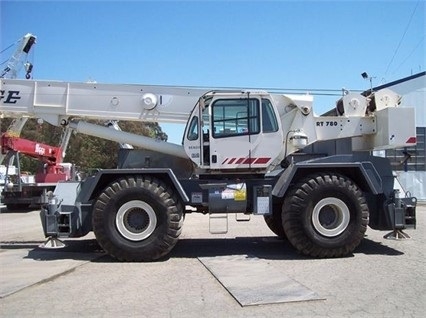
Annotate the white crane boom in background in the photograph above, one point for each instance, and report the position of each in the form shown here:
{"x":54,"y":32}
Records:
{"x":16,"y":61}
{"x":13,"y":66}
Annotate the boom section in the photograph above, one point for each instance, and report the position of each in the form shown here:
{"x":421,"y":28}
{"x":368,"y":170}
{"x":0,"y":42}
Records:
{"x":56,"y":102}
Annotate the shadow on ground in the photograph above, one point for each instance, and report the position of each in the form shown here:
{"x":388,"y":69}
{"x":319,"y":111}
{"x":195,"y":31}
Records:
{"x":260,"y":247}
{"x":4,"y":210}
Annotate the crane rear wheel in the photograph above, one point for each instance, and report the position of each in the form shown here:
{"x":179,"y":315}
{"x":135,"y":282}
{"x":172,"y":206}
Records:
{"x":137,"y":219}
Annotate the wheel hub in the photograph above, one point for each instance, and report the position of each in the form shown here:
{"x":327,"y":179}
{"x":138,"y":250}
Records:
{"x":330,"y":217}
{"x":136,"y":220}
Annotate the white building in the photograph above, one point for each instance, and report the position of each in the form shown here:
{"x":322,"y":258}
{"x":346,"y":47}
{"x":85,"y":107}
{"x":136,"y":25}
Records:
{"x":412,"y":174}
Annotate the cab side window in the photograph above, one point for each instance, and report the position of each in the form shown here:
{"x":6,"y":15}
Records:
{"x":193,"y":129}
{"x":269,"y":121}
{"x":235,"y":117}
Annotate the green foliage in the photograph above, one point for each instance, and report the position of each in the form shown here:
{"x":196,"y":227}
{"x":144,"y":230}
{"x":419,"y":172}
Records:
{"x":86,"y":152}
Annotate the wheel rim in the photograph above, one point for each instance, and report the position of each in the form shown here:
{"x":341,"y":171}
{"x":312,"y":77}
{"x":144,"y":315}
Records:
{"x":330,"y":217}
{"x":136,"y":220}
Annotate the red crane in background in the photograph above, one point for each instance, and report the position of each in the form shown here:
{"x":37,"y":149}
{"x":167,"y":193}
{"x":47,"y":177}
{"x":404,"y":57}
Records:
{"x":51,"y":156}
{"x":18,"y":193}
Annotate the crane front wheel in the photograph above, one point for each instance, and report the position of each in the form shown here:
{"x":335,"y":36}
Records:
{"x":137,"y":219}
{"x":325,"y":215}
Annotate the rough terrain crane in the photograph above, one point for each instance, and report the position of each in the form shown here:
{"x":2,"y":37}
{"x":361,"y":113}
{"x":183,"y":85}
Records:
{"x":242,"y":152}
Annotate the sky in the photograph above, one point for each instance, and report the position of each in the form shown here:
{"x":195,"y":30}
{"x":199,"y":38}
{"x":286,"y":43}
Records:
{"x":308,"y":46}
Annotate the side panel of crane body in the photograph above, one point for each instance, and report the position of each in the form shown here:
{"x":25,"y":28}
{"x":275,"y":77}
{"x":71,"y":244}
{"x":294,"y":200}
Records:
{"x":392,"y":124}
{"x":143,"y":158}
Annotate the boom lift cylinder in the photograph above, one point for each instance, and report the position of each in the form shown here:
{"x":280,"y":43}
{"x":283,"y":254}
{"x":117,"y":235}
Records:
{"x":125,"y":137}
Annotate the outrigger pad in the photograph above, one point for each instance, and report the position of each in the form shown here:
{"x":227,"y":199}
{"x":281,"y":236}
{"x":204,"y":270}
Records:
{"x":397,"y":235}
{"x":253,"y":281}
{"x":51,"y":243}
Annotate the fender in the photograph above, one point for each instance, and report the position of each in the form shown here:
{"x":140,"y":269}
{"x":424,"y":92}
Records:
{"x":372,"y":174}
{"x":97,"y":183}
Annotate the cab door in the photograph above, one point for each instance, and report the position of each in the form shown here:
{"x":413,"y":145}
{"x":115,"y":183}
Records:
{"x":233,"y":132}
{"x":245,"y":133}
{"x":235,"y":127}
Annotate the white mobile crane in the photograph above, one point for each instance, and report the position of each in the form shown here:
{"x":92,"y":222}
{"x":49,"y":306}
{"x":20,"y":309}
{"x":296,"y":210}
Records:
{"x":241,"y":153}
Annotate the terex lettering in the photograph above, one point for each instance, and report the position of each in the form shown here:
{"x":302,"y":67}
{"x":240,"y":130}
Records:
{"x":9,"y":97}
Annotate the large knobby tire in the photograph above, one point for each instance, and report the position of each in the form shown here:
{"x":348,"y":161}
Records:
{"x":325,"y":215}
{"x":274,"y":221}
{"x":137,"y":219}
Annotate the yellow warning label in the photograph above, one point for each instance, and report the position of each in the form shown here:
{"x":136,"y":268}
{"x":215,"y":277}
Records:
{"x":240,"y":195}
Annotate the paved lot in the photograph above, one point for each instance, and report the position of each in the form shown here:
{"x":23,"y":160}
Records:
{"x":383,"y":278}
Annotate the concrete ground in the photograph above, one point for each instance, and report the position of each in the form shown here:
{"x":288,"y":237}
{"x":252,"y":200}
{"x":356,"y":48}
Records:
{"x":383,"y":278}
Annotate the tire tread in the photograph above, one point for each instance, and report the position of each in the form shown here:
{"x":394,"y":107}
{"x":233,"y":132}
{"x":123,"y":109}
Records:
{"x":296,"y":204}
{"x":160,"y":246}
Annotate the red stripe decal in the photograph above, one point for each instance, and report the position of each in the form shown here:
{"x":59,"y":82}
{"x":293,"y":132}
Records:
{"x":246,"y":161}
{"x":261,"y":161}
{"x":411,"y":140}
{"x":249,"y":161}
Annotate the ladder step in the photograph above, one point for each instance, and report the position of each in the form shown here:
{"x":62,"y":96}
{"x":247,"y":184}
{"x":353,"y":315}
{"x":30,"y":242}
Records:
{"x":241,"y":217}
{"x":218,"y":223}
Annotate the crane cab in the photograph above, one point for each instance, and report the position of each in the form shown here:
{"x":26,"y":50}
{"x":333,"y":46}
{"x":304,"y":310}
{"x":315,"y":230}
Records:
{"x":234,"y":131}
